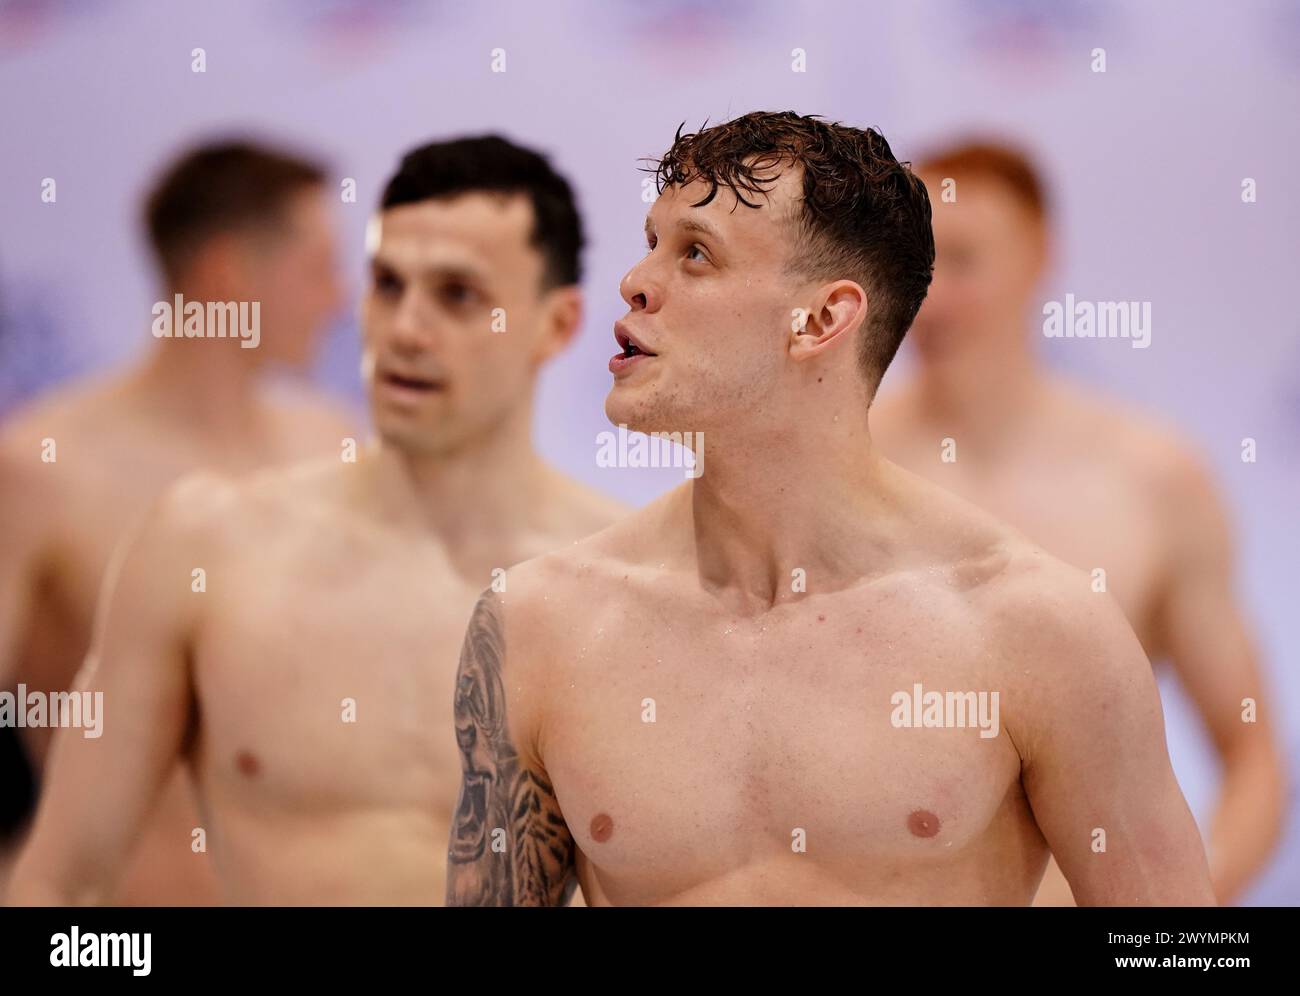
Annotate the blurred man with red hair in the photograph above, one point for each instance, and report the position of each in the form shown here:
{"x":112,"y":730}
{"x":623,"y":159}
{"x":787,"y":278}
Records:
{"x":1139,"y":504}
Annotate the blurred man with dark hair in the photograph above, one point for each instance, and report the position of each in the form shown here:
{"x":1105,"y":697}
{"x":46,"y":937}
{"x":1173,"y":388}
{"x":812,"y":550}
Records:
{"x":231,"y":222}
{"x":1096,"y":484}
{"x":311,"y":686}
{"x":716,"y":700}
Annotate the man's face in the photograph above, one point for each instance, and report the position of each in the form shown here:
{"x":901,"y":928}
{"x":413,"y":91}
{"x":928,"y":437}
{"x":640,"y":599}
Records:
{"x":988,"y":258}
{"x":455,"y":321}
{"x":294,"y":273}
{"x":713,"y":301}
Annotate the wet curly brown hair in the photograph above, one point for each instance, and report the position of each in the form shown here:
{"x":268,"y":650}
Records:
{"x":864,"y":215}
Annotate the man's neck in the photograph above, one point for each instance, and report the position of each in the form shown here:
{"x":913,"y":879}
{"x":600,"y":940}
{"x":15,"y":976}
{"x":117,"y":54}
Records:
{"x":810,"y":500}
{"x":493,"y":487}
{"x":982,"y":393}
{"x":205,"y":384}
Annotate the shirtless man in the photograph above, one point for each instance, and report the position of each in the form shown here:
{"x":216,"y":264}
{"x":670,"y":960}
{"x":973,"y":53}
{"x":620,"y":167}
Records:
{"x":228,"y":222}
{"x":1098,"y":485}
{"x":701,"y":704}
{"x":297,"y":684}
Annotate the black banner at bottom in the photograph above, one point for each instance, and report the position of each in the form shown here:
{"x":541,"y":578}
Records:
{"x":305,"y":946}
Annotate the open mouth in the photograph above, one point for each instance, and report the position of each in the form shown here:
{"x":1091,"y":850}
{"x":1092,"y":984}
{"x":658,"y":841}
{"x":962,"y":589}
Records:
{"x":633,"y":352}
{"x":630,"y":346}
{"x":409,"y":383}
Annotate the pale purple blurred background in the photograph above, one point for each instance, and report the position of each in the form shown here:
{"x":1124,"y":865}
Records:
{"x":1145,"y":161}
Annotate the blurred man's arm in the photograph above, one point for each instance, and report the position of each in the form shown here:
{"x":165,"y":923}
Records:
{"x":509,"y":843}
{"x":25,"y":503}
{"x":99,"y":789}
{"x":1204,"y":634}
{"x":1091,"y":738}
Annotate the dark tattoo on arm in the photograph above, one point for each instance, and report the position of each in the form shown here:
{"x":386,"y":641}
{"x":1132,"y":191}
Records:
{"x":509,"y":843}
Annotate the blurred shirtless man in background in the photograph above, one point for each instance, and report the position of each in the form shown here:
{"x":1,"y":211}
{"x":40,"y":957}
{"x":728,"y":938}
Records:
{"x":310,"y":685}
{"x":1091,"y":481}
{"x":228,"y":222}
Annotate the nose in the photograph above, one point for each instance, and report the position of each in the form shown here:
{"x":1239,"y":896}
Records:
{"x":412,"y":329}
{"x":639,"y":289}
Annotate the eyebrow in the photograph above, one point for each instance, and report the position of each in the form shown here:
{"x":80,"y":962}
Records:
{"x":690,"y":225}
{"x":436,"y":272}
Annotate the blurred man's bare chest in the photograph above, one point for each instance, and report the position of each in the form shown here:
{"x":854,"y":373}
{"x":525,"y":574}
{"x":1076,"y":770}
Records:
{"x":101,"y":490}
{"x":324,"y":672}
{"x":705,"y":757}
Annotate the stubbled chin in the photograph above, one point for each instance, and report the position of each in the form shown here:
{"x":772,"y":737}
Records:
{"x":652,"y":423}
{"x":629,"y":407}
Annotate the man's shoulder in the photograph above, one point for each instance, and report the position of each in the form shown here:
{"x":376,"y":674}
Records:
{"x":61,"y":419}
{"x":1054,"y":627}
{"x":207,"y":505}
{"x":1146,"y":446}
{"x":1012,"y":590}
{"x":590,"y":568}
{"x":52,"y":452}
{"x":1060,"y":648}
{"x":571,"y":569}
{"x":1032,"y":587}
{"x":73,"y":400}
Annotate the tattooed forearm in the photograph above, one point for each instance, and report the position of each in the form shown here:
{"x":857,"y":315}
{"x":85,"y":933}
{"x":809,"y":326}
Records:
{"x":509,"y":842}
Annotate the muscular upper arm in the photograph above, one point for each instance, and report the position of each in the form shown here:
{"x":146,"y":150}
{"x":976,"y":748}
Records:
{"x":509,"y":842}
{"x":1088,"y":723}
{"x":100,"y":788}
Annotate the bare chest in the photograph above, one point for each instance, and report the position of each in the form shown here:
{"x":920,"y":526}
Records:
{"x":103,"y":494}
{"x":328,"y":682}
{"x":682,"y":751}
